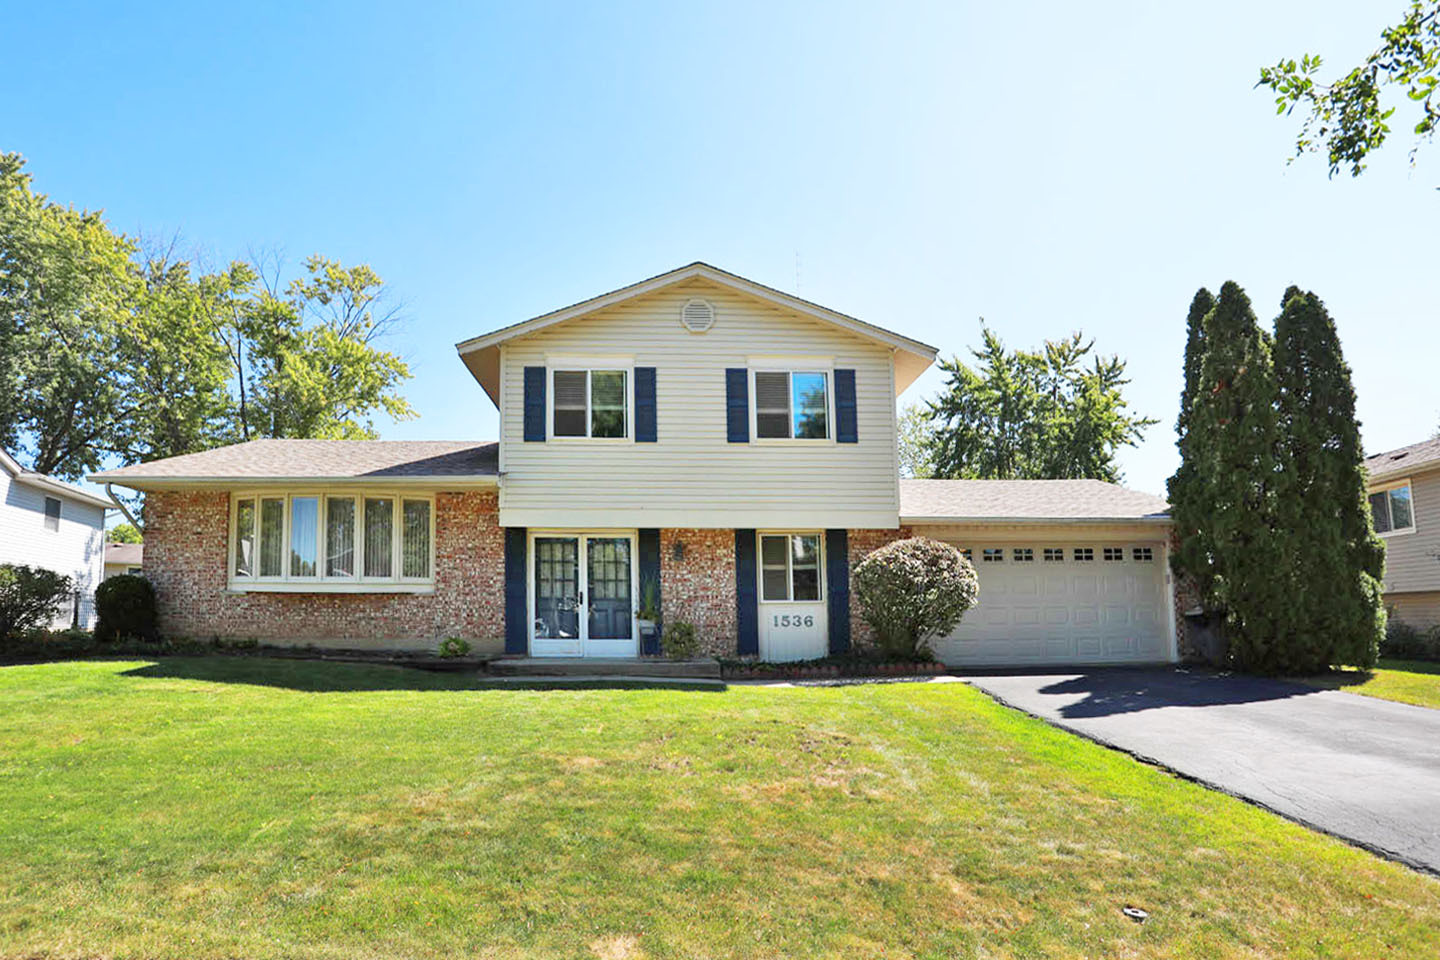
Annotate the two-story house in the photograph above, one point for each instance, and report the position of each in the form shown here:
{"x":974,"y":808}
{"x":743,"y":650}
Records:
{"x":722,"y":448}
{"x":1405,"y":509}
{"x":51,"y":524}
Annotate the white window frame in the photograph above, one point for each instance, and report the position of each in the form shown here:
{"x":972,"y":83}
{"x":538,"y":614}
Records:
{"x":760,"y":536}
{"x":826,"y":369}
{"x":1386,"y":488}
{"x":588,"y":367}
{"x":321,"y":583}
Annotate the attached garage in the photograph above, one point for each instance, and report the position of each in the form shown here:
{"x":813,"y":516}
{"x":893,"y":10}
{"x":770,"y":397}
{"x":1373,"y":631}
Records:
{"x":1072,"y":572}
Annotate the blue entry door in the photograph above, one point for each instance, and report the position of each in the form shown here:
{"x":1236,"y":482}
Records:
{"x":583,"y":595}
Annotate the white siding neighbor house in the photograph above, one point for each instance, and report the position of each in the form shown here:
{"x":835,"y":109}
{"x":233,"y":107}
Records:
{"x":1405,"y":508}
{"x":695,"y":447}
{"x":50,"y":524}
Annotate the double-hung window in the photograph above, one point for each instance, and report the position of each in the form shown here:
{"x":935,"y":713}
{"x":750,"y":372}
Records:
{"x":1392,"y":509}
{"x":332,"y":539}
{"x":591,"y":403}
{"x":789,"y":566}
{"x":52,"y":513}
{"x":792,"y":404}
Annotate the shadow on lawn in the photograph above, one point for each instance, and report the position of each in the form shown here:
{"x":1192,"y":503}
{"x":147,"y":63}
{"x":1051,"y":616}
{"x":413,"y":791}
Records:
{"x":316,"y":676}
{"x":1130,"y":691}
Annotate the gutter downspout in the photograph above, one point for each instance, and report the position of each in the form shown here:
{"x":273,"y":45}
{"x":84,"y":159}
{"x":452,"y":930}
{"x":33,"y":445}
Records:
{"x":123,"y":509}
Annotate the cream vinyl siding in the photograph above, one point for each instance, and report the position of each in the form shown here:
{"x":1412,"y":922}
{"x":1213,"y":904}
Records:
{"x":1410,"y":558}
{"x":76,"y":550}
{"x":693,"y":477}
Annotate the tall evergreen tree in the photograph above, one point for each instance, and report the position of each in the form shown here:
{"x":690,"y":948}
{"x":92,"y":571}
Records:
{"x":1187,"y":503}
{"x":1336,"y":561}
{"x":1233,"y":423}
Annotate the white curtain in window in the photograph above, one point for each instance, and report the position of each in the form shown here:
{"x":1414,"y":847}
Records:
{"x":245,"y":538}
{"x":304,"y":535}
{"x":339,"y":537}
{"x":379,"y":536}
{"x":415,"y":548}
{"x":272,"y":534}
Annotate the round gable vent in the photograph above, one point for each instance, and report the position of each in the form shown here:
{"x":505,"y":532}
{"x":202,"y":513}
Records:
{"x":697,"y":316}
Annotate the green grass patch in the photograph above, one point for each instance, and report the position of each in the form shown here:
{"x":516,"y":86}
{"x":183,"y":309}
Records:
{"x":1408,"y":681}
{"x":226,"y":807}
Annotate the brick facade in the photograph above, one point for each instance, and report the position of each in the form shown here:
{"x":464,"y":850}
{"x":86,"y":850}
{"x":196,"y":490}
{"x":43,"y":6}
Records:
{"x":699,"y":588}
{"x":862,"y":544}
{"x":186,"y":551}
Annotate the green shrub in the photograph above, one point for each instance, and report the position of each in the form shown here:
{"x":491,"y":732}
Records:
{"x":679,"y":641}
{"x":125,"y":609}
{"x":454,"y":647}
{"x":912,"y":590}
{"x":30,"y":598}
{"x":1406,"y":642}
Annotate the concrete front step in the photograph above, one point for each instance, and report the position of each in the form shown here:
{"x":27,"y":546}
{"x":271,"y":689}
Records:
{"x":601,"y":667}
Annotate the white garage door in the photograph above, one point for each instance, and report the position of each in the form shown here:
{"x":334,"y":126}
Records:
{"x":1063,"y":603}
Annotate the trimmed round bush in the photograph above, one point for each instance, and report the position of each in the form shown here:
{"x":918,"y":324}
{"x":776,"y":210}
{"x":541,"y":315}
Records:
{"x":125,"y":609}
{"x":912,"y":590}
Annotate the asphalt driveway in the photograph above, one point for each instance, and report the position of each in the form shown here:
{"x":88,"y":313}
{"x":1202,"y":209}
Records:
{"x":1363,"y":769}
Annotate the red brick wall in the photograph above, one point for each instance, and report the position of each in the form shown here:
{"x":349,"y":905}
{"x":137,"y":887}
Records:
{"x":862,"y":544}
{"x":700,"y":587}
{"x":186,"y":546}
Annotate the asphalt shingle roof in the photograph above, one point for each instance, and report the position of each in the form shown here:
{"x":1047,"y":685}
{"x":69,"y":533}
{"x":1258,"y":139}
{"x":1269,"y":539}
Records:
{"x":130,"y":554}
{"x":1026,"y":500}
{"x":1421,"y":454}
{"x":321,"y":459}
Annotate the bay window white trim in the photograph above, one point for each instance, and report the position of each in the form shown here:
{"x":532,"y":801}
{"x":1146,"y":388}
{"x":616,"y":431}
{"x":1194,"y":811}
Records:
{"x":321,"y":581}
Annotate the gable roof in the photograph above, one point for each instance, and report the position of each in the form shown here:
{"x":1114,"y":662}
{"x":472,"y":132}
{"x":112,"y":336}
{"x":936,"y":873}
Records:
{"x":130,"y":554}
{"x":385,"y":461}
{"x":1026,"y":501}
{"x":49,"y":484}
{"x":482,"y":354}
{"x":1424,"y":455}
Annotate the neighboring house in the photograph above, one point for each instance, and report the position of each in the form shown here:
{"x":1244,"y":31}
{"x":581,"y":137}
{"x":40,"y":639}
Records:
{"x":733,"y":445}
{"x":1405,"y":507}
{"x":123,"y":558}
{"x":50,"y":524}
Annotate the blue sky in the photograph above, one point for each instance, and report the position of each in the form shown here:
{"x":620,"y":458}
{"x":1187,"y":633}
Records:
{"x":1045,"y":166}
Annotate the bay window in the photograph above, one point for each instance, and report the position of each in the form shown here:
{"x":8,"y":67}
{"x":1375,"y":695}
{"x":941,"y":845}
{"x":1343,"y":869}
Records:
{"x":331,"y":540}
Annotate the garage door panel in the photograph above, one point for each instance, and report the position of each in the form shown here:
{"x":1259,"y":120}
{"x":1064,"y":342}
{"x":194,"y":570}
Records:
{"x":1066,"y":611}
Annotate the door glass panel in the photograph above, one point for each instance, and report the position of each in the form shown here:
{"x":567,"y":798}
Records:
{"x":608,"y":570}
{"x":557,"y":587}
{"x":805,"y":567}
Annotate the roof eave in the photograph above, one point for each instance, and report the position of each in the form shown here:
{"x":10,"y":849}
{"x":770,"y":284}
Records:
{"x":175,"y":483}
{"x":42,"y":482}
{"x":1149,"y":518}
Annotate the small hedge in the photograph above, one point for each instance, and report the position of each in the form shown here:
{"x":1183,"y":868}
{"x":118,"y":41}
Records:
{"x":30,"y":599}
{"x":1406,"y":642}
{"x":125,"y":609}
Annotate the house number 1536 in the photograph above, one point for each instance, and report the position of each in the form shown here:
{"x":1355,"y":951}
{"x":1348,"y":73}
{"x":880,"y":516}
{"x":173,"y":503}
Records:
{"x":794,"y":620}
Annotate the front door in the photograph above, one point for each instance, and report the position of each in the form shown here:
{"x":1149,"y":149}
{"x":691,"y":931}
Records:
{"x":582,"y":595}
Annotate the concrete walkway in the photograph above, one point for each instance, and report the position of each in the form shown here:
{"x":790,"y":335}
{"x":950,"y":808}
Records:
{"x":1363,"y":769}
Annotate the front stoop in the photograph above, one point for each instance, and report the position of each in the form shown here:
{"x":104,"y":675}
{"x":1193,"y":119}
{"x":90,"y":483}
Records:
{"x":601,"y":667}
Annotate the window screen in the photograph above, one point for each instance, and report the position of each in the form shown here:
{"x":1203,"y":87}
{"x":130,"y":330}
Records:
{"x":52,"y":513}
{"x":772,"y":405}
{"x":570,"y":407}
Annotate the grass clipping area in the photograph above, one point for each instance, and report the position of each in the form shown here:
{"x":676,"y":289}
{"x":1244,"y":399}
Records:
{"x":231,"y":807}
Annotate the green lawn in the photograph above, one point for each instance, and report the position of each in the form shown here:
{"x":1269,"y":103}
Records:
{"x":1409,"y":681}
{"x":264,"y":808}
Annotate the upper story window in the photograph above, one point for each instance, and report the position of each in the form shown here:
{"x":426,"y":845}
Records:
{"x":333,"y":538}
{"x":1393,"y":510}
{"x":591,"y":403}
{"x":790,"y":567}
{"x":52,"y":513}
{"x":792,"y":404}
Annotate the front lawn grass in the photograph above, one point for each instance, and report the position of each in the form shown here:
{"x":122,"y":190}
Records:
{"x":259,"y":808}
{"x":1408,"y":681}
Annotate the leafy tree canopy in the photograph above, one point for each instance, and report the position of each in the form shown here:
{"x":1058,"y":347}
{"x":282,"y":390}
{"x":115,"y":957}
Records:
{"x":1052,"y":414}
{"x":1346,"y":119}
{"x":111,"y":353}
{"x":123,"y":533}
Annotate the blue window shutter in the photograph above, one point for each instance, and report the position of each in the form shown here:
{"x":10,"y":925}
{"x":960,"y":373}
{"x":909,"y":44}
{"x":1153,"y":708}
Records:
{"x":645,"y":406}
{"x":845,"y":425}
{"x":837,"y":576}
{"x":534,"y":404}
{"x":649,"y":548}
{"x":747,"y":607}
{"x":737,"y":405}
{"x":517,"y":617}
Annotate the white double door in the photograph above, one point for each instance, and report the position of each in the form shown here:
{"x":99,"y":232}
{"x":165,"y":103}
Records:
{"x":582,"y":595}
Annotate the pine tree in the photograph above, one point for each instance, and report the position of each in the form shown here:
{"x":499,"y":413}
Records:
{"x":1233,"y":426}
{"x":1335,"y":614}
{"x":1187,"y":506}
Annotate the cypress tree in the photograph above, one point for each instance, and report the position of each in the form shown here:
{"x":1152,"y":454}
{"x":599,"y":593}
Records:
{"x":1236,"y":438}
{"x":1187,"y":506}
{"x":1335,"y":562}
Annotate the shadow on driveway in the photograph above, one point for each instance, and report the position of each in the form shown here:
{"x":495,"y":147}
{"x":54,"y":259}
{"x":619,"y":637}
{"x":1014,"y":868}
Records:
{"x":1120,"y":690}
